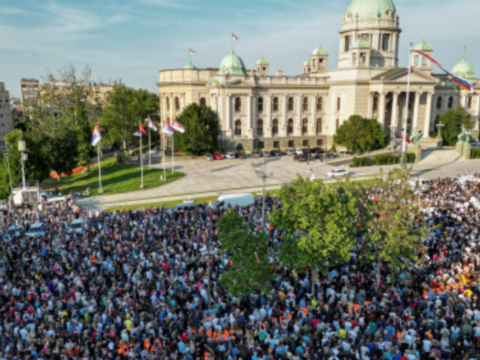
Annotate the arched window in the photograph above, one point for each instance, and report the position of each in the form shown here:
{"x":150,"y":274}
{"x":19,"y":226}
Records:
{"x":238,"y":104}
{"x":290,"y":127}
{"x":275,"y":104}
{"x":290,"y":104}
{"x":320,"y":104}
{"x":275,"y":127}
{"x":304,"y":126}
{"x":167,"y":104}
{"x":177,"y":103}
{"x":260,"y":104}
{"x":305,"y":104}
{"x":439,"y":102}
{"x":203,"y":102}
{"x":260,"y":127}
{"x":469,"y":102}
{"x":450,"y":102}
{"x":339,"y":104}
{"x":238,"y":128}
{"x":319,"y":126}
{"x":337,"y":124}
{"x":375,"y":104}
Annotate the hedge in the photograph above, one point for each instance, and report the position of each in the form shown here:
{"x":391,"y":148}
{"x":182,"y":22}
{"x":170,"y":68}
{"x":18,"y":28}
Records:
{"x":475,"y":154}
{"x":383,"y":159}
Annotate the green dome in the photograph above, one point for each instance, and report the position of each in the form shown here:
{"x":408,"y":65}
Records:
{"x":464,"y":70}
{"x":361,"y":44}
{"x":232,"y":65}
{"x":371,"y":9}
{"x":423,"y":46}
{"x":307,"y":62}
{"x":319,"y":51}
{"x":190,"y":66}
{"x":262,"y":61}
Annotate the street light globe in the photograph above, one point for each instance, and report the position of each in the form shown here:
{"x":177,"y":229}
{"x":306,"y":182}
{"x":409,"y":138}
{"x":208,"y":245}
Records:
{"x":21,"y":145}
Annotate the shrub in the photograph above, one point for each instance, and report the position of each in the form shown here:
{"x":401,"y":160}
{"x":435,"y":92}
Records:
{"x":355,"y":161}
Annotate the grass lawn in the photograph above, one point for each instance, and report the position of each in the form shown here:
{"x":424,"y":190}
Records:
{"x":116,"y":179}
{"x":167,"y":204}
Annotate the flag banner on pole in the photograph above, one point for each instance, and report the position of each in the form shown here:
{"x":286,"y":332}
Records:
{"x":234,"y":37}
{"x":177,"y":126}
{"x":151,"y":125}
{"x":168,"y":129}
{"x":97,"y":136}
{"x":192,"y":51}
{"x":460,"y":81}
{"x":141,"y":128}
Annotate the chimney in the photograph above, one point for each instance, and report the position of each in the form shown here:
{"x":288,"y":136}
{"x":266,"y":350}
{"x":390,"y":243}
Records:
{"x":280,"y":73}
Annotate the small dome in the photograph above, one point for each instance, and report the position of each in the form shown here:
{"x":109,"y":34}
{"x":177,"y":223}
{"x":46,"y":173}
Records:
{"x":307,"y":62}
{"x":423,"y":46}
{"x":262,"y":61}
{"x":464,"y":70}
{"x":232,"y":65}
{"x":371,"y":9}
{"x":190,"y":66}
{"x":319,"y":51}
{"x":361,"y":44}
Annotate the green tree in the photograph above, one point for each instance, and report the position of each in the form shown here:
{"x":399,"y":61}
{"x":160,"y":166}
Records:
{"x":201,"y":130}
{"x":361,"y":134}
{"x":248,"y":252}
{"x":452,"y":121}
{"x":62,"y":149}
{"x":318,"y":223}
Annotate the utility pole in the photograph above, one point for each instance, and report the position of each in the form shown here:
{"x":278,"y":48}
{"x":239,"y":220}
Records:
{"x":264,"y":176}
{"x":407,"y":104}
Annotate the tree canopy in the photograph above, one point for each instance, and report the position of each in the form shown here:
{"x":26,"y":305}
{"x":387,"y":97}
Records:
{"x":452,"y":121}
{"x":361,"y":134}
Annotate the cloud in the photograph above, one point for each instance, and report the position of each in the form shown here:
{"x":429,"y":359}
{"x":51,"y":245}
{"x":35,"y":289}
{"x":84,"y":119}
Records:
{"x":10,"y":11}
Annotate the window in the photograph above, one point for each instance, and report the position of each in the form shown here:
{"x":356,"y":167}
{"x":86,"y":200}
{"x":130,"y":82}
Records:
{"x":347,"y":43}
{"x":320,"y":142}
{"x":290,"y":127}
{"x":363,"y":58}
{"x":321,"y":64}
{"x":339,"y":104}
{"x":260,"y":127}
{"x":275,"y":127}
{"x":238,"y":128}
{"x":386,"y":42}
{"x":305,"y":143}
{"x":450,"y":102}
{"x":177,"y":103}
{"x":366,"y":37}
{"x":261,"y":145}
{"x":439,"y":102}
{"x":260,"y":104}
{"x":276,"y":144}
{"x":320,"y":104}
{"x":305,"y":104}
{"x":290,"y":104}
{"x":375,"y":104}
{"x":203,"y":102}
{"x":238,"y":105}
{"x":416,"y":61}
{"x":469,"y":102}
{"x":337,"y":124}
{"x":354,"y":59}
{"x":319,"y":126}
{"x":168,"y":104}
{"x":304,"y":126}
{"x":314,"y":63}
{"x":291,"y":143}
{"x":275,"y":104}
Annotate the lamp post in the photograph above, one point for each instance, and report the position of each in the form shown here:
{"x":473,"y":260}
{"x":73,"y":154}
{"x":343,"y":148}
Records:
{"x":264,"y":176}
{"x":407,"y":103}
{"x":22,"y":148}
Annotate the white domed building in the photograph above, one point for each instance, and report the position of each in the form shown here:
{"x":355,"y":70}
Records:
{"x":257,"y":108}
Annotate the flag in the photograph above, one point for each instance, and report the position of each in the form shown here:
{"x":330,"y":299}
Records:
{"x":177,"y":126}
{"x":151,"y":125}
{"x":96,"y":137}
{"x":460,"y":81}
{"x":234,"y":37}
{"x":141,"y":129}
{"x":168,"y":129}
{"x":192,"y":51}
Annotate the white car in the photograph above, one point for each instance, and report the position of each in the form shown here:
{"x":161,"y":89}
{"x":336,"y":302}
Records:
{"x":337,"y":173}
{"x":186,"y":206}
{"x":299,"y":152}
{"x":35,"y":231}
{"x":230,"y":156}
{"x":76,"y":226}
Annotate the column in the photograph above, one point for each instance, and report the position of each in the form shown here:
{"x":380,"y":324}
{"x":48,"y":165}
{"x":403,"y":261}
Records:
{"x":284,"y":109}
{"x":370,"y":106}
{"x":464,"y":101}
{"x":313,"y":117}
{"x":249,"y":116}
{"x":172,"y":107}
{"x":394,"y":120}
{"x":415,"y":108}
{"x":381,"y":110}
{"x":428,"y":115}
{"x":267,"y":126}
{"x":228,"y":115}
{"x":298,"y":124}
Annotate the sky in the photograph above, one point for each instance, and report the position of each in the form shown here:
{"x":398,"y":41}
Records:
{"x":131,"y":40}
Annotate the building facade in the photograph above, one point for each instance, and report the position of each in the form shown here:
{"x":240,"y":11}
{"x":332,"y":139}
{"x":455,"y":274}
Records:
{"x":256,"y":108}
{"x":6,"y":122}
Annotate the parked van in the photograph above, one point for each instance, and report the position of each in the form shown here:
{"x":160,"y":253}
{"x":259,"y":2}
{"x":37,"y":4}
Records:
{"x":76,"y":226}
{"x":55,"y":200}
{"x":234,"y":200}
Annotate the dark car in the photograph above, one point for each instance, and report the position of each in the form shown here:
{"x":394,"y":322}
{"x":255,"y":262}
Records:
{"x":316,"y":150}
{"x":256,"y":154}
{"x":300,"y":158}
{"x":330,"y":156}
{"x":276,"y":153}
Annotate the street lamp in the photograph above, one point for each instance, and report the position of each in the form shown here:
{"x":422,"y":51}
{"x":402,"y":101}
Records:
{"x":262,"y":174}
{"x":22,"y":148}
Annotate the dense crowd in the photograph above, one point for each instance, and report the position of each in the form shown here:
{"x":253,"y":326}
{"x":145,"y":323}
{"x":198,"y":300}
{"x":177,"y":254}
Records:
{"x":143,"y":284}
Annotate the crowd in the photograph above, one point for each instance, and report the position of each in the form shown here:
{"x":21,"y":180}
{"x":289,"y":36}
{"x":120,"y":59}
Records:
{"x":143,"y":284}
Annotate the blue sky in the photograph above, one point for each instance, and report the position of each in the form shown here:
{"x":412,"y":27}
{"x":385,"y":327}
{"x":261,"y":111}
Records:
{"x":133,"y":39}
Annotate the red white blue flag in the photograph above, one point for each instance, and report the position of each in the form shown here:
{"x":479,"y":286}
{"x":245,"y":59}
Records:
{"x":97,"y":136}
{"x":177,"y":126}
{"x":151,"y":124}
{"x":234,"y":37}
{"x":168,"y":129}
{"x":460,"y":81}
{"x":141,"y":130}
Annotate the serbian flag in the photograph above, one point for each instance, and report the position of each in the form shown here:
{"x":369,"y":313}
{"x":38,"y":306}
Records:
{"x":140,"y":131}
{"x":151,"y":125}
{"x":168,"y":129}
{"x":96,"y":137}
{"x":460,"y":81}
{"x":177,"y":126}
{"x":234,"y":37}
{"x":192,"y":51}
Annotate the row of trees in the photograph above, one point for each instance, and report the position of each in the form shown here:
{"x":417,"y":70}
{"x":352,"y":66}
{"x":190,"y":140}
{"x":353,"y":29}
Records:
{"x":323,"y":227}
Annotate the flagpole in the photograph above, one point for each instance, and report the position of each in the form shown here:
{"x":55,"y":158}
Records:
{"x":173,"y":152}
{"x":404,"y":145}
{"x":163,"y":143}
{"x":149,"y":147}
{"x":141,"y":159}
{"x":100,"y":189}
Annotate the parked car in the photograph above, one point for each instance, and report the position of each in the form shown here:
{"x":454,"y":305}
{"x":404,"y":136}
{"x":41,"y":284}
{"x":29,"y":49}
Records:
{"x":329,"y":156}
{"x":76,"y":226}
{"x":289,"y":152}
{"x":217,"y":156}
{"x":267,"y":154}
{"x":317,"y":150}
{"x":208,"y":157}
{"x":343,"y":153}
{"x":300,"y":158}
{"x":337,"y":173}
{"x":13,"y":231}
{"x":230,"y":156}
{"x":299,"y":152}
{"x":276,"y":153}
{"x":256,"y":154}
{"x":183,"y":207}
{"x":475,"y":144}
{"x":234,"y":200}
{"x":35,"y":230}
